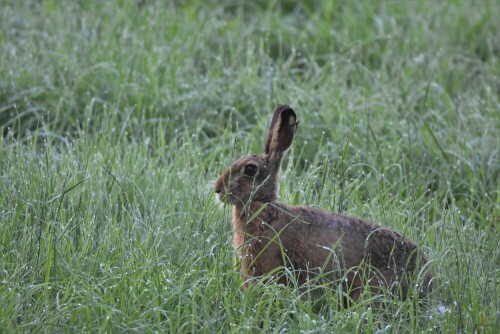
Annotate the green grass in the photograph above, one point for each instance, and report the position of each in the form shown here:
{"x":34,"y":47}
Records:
{"x":118,"y":117}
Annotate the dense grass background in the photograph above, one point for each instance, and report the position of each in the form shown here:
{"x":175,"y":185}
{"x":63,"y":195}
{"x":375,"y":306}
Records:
{"x":117,"y":117}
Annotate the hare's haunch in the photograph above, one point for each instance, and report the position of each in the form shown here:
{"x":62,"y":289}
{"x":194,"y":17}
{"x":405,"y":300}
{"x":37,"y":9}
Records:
{"x":270,"y":235}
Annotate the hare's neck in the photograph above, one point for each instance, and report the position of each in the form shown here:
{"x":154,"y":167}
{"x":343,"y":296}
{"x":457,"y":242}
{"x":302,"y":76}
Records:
{"x":256,"y":210}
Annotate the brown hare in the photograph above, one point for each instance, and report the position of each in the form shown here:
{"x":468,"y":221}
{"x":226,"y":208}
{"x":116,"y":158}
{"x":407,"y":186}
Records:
{"x":271,"y":237}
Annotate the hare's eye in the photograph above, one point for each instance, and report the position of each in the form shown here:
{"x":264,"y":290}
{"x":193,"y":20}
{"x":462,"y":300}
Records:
{"x":250,"y":170}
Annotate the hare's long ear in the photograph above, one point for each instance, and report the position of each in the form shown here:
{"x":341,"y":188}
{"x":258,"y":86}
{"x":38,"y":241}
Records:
{"x":281,"y":131}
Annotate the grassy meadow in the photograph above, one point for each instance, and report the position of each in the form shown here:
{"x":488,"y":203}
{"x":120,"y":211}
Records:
{"x":117,"y":118}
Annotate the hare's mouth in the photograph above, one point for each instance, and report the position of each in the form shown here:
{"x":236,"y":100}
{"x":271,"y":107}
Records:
{"x":227,"y":198}
{"x":221,"y":196}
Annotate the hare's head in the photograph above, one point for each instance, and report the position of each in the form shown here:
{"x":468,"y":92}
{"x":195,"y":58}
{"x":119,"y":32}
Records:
{"x":256,"y":177}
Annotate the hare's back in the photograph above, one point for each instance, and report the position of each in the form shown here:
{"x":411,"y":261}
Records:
{"x":316,"y":234}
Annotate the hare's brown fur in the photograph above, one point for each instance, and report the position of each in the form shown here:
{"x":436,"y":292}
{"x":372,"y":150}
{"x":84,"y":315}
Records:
{"x":270,"y":235}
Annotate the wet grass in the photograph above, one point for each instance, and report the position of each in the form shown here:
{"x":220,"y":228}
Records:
{"x":118,"y":117}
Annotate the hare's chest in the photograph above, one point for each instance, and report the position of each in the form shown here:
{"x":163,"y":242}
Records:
{"x":251,"y":237}
{"x":239,"y":233}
